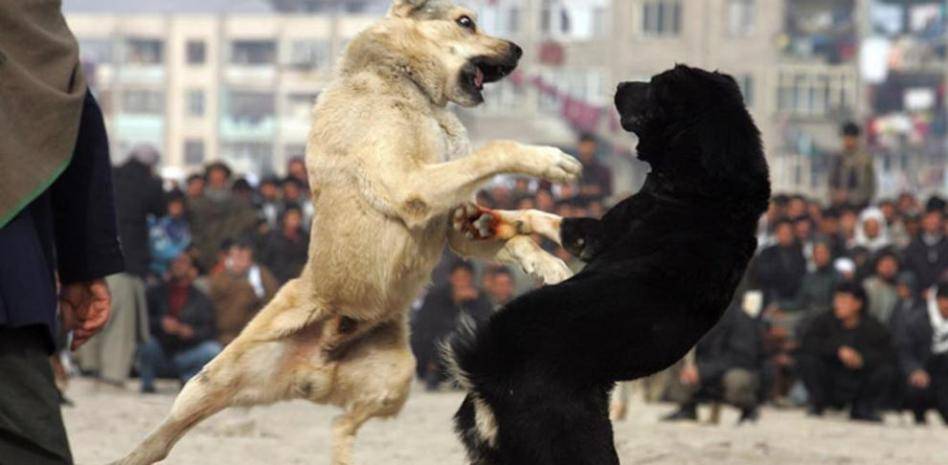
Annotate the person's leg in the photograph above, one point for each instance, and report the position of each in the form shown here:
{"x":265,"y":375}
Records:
{"x":818,"y":379}
{"x":31,"y":425}
{"x":685,"y":397}
{"x":152,"y":363}
{"x":118,"y":339}
{"x":872,"y":393}
{"x":939,"y":387}
{"x":189,"y":362}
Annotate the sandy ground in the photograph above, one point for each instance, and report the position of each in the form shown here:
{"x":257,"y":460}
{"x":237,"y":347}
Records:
{"x":106,"y":423}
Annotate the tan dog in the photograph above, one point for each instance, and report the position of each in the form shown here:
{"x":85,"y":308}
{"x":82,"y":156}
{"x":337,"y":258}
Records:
{"x":384,"y":191}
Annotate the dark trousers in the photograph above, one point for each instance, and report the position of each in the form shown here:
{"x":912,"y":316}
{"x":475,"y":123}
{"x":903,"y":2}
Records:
{"x":31,"y":424}
{"x":936,"y":395}
{"x":830,"y":384}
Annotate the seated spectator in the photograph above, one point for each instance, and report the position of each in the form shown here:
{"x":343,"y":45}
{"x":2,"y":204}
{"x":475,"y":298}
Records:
{"x":927,"y":255}
{"x":440,"y":314}
{"x":296,"y":168}
{"x":923,"y":356}
{"x":882,"y":288}
{"x":182,"y":328}
{"x":270,"y":202}
{"x":780,"y":268}
{"x":872,"y":232}
{"x":500,"y":285}
{"x":727,"y":366}
{"x":218,"y":214}
{"x":829,"y":232}
{"x":894,"y":223}
{"x":169,"y":235}
{"x":847,"y":358}
{"x":240,"y":291}
{"x":286,"y":249}
{"x":597,"y":178}
{"x":194,"y":186}
{"x":816,"y":289}
{"x":803,"y":231}
{"x":295,"y":193}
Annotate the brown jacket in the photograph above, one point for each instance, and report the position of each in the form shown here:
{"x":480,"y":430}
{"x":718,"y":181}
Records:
{"x":42,"y":91}
{"x":236,"y":303}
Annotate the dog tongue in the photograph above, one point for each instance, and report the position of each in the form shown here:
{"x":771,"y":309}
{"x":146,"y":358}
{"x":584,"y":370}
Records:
{"x":479,"y":78}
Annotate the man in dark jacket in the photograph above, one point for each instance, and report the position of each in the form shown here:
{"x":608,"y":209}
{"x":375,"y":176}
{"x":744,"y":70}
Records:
{"x":927,"y":254}
{"x":439,"y":316}
{"x":57,"y":218}
{"x":847,"y":357}
{"x":922,"y":344}
{"x":780,"y":268}
{"x":726,"y":366}
{"x":182,"y":325}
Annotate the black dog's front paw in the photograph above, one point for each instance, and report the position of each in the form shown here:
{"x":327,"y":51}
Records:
{"x":581,"y":236}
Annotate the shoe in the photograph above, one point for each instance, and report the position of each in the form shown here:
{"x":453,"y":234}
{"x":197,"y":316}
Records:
{"x":867,"y":416}
{"x":749,"y":415}
{"x":920,"y":418}
{"x":683,"y":414}
{"x":815,"y":411}
{"x":148,"y":390}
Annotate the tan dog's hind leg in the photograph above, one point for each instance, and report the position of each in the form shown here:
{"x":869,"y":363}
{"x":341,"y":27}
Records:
{"x":373,"y":380}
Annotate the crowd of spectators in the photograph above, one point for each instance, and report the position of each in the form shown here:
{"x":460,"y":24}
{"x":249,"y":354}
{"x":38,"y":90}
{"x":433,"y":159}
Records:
{"x":841,"y":307}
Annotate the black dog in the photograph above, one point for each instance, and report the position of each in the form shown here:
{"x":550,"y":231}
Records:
{"x":662,"y":267}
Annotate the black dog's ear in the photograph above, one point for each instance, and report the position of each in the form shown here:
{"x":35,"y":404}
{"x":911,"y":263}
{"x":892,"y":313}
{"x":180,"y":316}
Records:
{"x":404,"y":8}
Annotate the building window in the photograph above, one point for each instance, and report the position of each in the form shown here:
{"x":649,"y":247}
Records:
{"x":253,"y":52}
{"x":746,"y":83}
{"x":143,"y":102}
{"x":741,"y":15}
{"x":144,"y":52}
{"x":251,"y":107}
{"x":193,"y":152}
{"x":310,"y":54}
{"x":197,"y":52}
{"x":814,"y":94}
{"x":661,"y":17}
{"x":196,"y":102}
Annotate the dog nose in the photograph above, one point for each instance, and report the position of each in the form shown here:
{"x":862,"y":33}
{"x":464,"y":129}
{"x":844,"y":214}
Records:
{"x":516,"y":50}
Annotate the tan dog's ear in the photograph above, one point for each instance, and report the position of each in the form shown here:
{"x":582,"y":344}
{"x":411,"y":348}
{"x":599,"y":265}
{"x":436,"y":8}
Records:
{"x":404,"y":8}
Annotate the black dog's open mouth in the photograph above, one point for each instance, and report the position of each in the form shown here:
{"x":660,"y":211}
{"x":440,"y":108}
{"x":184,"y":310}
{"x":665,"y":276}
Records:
{"x":485,"y":70}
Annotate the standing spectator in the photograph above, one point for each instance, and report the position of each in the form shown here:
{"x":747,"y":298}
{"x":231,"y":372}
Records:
{"x":169,"y":235}
{"x":240,"y":291}
{"x":780,"y":268}
{"x":195,"y":186}
{"x":927,"y":255}
{"x":923,"y":356}
{"x":847,"y":357}
{"x":182,"y":328}
{"x":727,"y":366}
{"x":439,"y":316}
{"x":285,"y":250}
{"x":597,"y":178}
{"x":138,"y":195}
{"x":57,"y":219}
{"x":882,"y":288}
{"x":852,"y":176}
{"x":218,"y":215}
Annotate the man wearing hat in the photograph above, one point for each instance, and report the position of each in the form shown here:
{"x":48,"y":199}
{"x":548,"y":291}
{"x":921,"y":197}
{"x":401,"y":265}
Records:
{"x":57,"y":223}
{"x":852,"y":176}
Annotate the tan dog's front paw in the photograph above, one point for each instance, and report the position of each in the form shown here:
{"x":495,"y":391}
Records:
{"x":479,"y":223}
{"x":554,"y":165}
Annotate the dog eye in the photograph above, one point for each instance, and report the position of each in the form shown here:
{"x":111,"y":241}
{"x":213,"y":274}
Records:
{"x":466,"y":22}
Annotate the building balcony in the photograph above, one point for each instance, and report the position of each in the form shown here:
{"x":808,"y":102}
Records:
{"x":264,"y":75}
{"x":247,"y":129}
{"x":139,"y":74}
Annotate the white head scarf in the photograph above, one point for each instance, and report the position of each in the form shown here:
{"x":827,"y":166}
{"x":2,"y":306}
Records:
{"x":882,"y":240}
